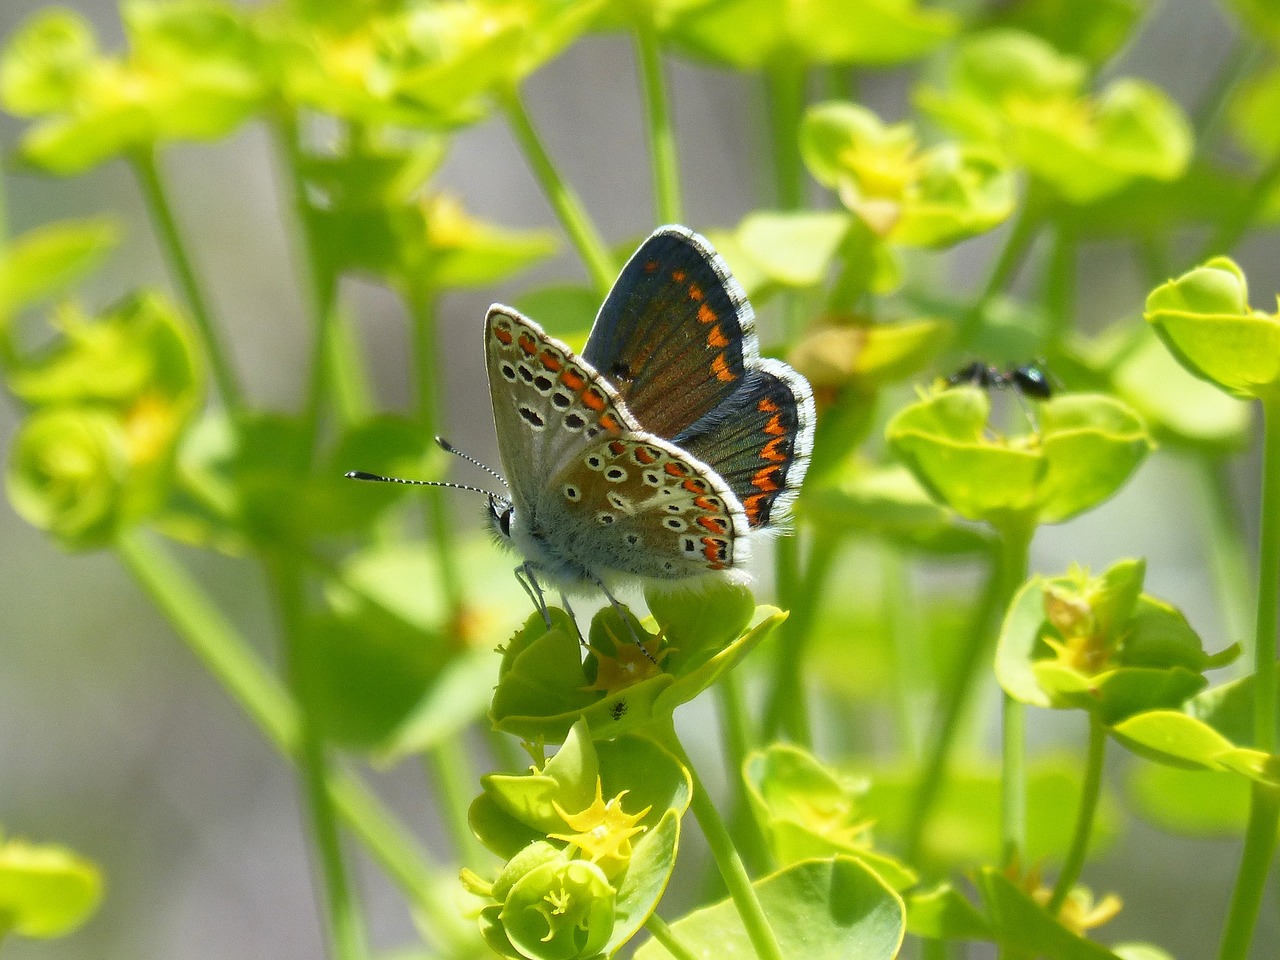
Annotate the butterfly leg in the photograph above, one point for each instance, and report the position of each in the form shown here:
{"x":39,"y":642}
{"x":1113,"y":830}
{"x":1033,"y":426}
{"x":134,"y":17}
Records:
{"x":622,"y":613}
{"x":564,"y":601}
{"x":525,"y":577}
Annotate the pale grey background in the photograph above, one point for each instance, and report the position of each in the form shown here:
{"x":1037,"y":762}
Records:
{"x":114,"y":741}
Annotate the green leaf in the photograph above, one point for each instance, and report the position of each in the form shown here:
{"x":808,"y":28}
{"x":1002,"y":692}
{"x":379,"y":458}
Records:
{"x":1205,"y":320}
{"x":748,"y":34}
{"x":47,"y":260}
{"x":565,"y":311}
{"x":943,"y":913}
{"x":46,"y":63}
{"x":818,"y":909}
{"x":806,"y":811}
{"x":46,"y":891}
{"x":867,"y":357}
{"x":792,"y":249}
{"x":1021,"y":925}
{"x":1091,"y":29}
{"x":1191,"y":803}
{"x":1167,"y":736}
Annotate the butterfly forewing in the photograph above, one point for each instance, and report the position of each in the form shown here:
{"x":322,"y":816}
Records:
{"x":547,"y":404}
{"x":675,"y":335}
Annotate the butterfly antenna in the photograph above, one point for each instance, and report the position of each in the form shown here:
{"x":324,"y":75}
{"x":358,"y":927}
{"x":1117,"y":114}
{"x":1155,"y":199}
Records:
{"x":362,"y":475}
{"x":448,"y":447}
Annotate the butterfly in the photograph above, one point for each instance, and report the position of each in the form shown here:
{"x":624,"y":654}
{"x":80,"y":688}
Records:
{"x":655,"y":454}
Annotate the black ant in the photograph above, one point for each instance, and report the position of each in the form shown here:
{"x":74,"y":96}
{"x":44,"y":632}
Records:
{"x":1030,"y":380}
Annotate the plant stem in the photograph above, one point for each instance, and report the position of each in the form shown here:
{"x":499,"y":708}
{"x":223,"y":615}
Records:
{"x":573,"y":217}
{"x":1015,"y":545}
{"x":905,"y":641}
{"x":1090,"y":791}
{"x":1264,"y":646}
{"x":1060,"y":279}
{"x":1239,"y":218}
{"x":1228,"y":553}
{"x":800,"y":595}
{"x":166,"y":225}
{"x":662,"y":138}
{"x":231,"y":661}
{"x":736,"y":743}
{"x":1251,"y":880}
{"x":785,"y":81}
{"x":426,"y":375}
{"x":451,"y":777}
{"x":726,"y":856}
{"x":977,"y":649}
{"x":1016,"y":245}
{"x":345,"y":923}
{"x":1211,"y":110}
{"x":667,"y":937}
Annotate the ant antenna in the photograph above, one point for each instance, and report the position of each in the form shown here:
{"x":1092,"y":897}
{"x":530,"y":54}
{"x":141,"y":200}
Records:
{"x":448,"y":447}
{"x":362,"y":475}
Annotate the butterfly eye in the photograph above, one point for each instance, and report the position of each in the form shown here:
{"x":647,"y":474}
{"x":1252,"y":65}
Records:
{"x":501,"y":513}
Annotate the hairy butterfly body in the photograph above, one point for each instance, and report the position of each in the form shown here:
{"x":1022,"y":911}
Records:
{"x":657,"y":452}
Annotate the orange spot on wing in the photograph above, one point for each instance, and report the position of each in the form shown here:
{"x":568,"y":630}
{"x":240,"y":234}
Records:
{"x":752,"y":505}
{"x":771,"y":451}
{"x":617,"y":447}
{"x":675,"y":469}
{"x":695,"y":293}
{"x":650,"y":266}
{"x":527,"y":344}
{"x":678,"y":276}
{"x":573,"y":380}
{"x":694,"y":485}
{"x":716,"y":339}
{"x":713,"y":524}
{"x":503,"y":335}
{"x":767,"y":405}
{"x":644,"y":455}
{"x":610,"y":424}
{"x":706,"y":314}
{"x":774,"y":427}
{"x":551,"y":361}
{"x":594,"y":399}
{"x":763,"y":479}
{"x":713,"y":550}
{"x":704,"y":503}
{"x":721,"y":369}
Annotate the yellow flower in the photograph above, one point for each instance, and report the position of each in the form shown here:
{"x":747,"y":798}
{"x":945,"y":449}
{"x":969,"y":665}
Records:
{"x":603,"y":831}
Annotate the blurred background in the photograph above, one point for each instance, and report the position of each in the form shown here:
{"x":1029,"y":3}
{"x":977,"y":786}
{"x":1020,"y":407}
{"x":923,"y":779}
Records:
{"x":115,"y":742}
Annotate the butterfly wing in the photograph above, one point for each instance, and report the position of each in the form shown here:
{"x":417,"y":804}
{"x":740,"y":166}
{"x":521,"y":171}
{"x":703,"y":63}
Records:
{"x":548,"y":406}
{"x":759,"y":440}
{"x":675,"y":324}
{"x":638,"y":505}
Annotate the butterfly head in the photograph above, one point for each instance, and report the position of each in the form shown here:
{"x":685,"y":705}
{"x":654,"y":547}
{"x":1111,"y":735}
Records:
{"x":501,"y":514}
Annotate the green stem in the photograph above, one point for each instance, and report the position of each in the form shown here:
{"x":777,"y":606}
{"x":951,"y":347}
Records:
{"x":248,"y":682}
{"x":736,"y":738}
{"x":573,"y":217}
{"x":1242,"y":216}
{"x":662,"y":138}
{"x":1017,"y":243}
{"x":426,"y":373}
{"x":157,"y":199}
{"x":322,"y":280}
{"x":451,"y":777}
{"x":726,"y":857}
{"x":1251,"y":880}
{"x":345,"y":923}
{"x":667,"y":937}
{"x":955,"y":707}
{"x":800,"y":595}
{"x":1089,"y":794}
{"x":1264,"y":645}
{"x":1015,"y":545}
{"x":785,"y":81}
{"x":1060,"y":279}
{"x":1228,"y":552}
{"x":1207,"y":121}
{"x":905,"y":641}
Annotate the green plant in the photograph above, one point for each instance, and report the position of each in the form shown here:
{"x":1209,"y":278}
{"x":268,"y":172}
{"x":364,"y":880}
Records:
{"x":136,"y":431}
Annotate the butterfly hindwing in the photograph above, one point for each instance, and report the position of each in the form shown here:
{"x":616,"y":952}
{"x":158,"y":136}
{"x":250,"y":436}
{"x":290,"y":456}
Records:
{"x":760,"y":440}
{"x":638,"y":505}
{"x":548,"y":406}
{"x":675,"y":325}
